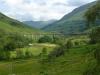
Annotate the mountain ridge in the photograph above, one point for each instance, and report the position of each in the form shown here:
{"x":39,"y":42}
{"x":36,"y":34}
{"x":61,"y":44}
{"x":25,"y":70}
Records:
{"x":38,"y":24}
{"x":8,"y":24}
{"x":73,"y":22}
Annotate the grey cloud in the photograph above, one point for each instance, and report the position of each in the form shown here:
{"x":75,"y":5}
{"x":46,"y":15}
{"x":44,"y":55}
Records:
{"x":40,"y":9}
{"x":78,"y":2}
{"x":75,"y":2}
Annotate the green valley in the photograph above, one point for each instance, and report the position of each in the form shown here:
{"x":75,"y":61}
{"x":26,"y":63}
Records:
{"x":70,"y":46}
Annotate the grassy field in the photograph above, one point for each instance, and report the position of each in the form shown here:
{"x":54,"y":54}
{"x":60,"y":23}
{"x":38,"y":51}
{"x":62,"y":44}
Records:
{"x":35,"y":49}
{"x":76,"y":62}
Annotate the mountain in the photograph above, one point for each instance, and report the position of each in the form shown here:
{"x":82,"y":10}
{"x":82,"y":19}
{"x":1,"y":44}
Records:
{"x":13,"y":26}
{"x":38,"y":24}
{"x":73,"y":22}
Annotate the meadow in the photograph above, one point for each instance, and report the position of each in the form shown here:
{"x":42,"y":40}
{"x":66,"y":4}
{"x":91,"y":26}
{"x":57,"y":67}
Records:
{"x":76,"y":62}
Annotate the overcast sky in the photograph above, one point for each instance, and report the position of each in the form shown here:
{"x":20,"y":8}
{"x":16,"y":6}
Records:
{"x":39,"y":9}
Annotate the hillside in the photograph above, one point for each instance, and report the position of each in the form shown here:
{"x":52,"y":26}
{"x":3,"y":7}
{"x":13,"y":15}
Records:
{"x":73,"y":22}
{"x":38,"y":24}
{"x":10,"y":25}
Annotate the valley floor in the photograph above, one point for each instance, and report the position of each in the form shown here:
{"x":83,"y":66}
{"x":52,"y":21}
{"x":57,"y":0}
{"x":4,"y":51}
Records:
{"x":75,"y":62}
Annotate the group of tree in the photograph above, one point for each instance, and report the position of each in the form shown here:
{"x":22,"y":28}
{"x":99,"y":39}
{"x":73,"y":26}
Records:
{"x":51,"y":39}
{"x":92,"y":15}
{"x":20,"y":54}
{"x":45,"y":39}
{"x":9,"y":42}
{"x":60,"y":50}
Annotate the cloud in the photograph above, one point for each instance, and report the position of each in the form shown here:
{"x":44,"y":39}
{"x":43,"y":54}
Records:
{"x":37,"y":9}
{"x":78,"y":2}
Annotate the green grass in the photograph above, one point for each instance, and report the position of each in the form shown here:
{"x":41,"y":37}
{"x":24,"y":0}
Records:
{"x":35,"y":50}
{"x":20,"y":67}
{"x":76,"y":62}
{"x":73,"y":63}
{"x":9,"y":28}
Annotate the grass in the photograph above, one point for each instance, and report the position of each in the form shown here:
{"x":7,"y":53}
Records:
{"x":35,"y":49}
{"x":76,"y":62}
{"x":73,"y":63}
{"x":9,"y":28}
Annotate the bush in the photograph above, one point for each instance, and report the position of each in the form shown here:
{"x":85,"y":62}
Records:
{"x":56,"y":52}
{"x":19,"y":54}
{"x":69,"y":44}
{"x":59,"y":51}
{"x":43,"y":55}
{"x":4,"y":55}
{"x":58,"y":40}
{"x":76,"y":43}
{"x":28,"y":54}
{"x":97,"y":53}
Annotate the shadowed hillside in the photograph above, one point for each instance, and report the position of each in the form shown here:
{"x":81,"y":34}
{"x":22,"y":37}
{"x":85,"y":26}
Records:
{"x":73,"y":22}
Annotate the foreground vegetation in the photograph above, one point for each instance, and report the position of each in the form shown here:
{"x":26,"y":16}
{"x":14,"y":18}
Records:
{"x":76,"y":62}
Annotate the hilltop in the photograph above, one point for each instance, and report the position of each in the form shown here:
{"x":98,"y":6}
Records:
{"x":38,"y":24}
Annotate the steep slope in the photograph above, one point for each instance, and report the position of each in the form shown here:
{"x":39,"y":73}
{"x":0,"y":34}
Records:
{"x":10,"y":25}
{"x":73,"y":22}
{"x":38,"y":24}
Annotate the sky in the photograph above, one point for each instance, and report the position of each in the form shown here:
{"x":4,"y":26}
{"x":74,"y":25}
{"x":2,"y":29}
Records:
{"x":39,"y":10}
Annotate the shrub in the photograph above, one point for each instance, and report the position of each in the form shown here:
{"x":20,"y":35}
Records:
{"x":69,"y":44}
{"x":19,"y":54}
{"x":76,"y":43}
{"x":97,"y":53}
{"x":28,"y":54}
{"x":2,"y":55}
{"x":43,"y":55}
{"x":58,"y":40}
{"x":56,"y":52}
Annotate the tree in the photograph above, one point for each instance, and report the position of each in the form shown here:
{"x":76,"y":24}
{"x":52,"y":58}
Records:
{"x":58,"y":40}
{"x":68,"y":44}
{"x":97,"y":53}
{"x":43,"y":55}
{"x":2,"y":55}
{"x":93,"y":14}
{"x":59,"y":51}
{"x":19,"y":54}
{"x":95,"y":35}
